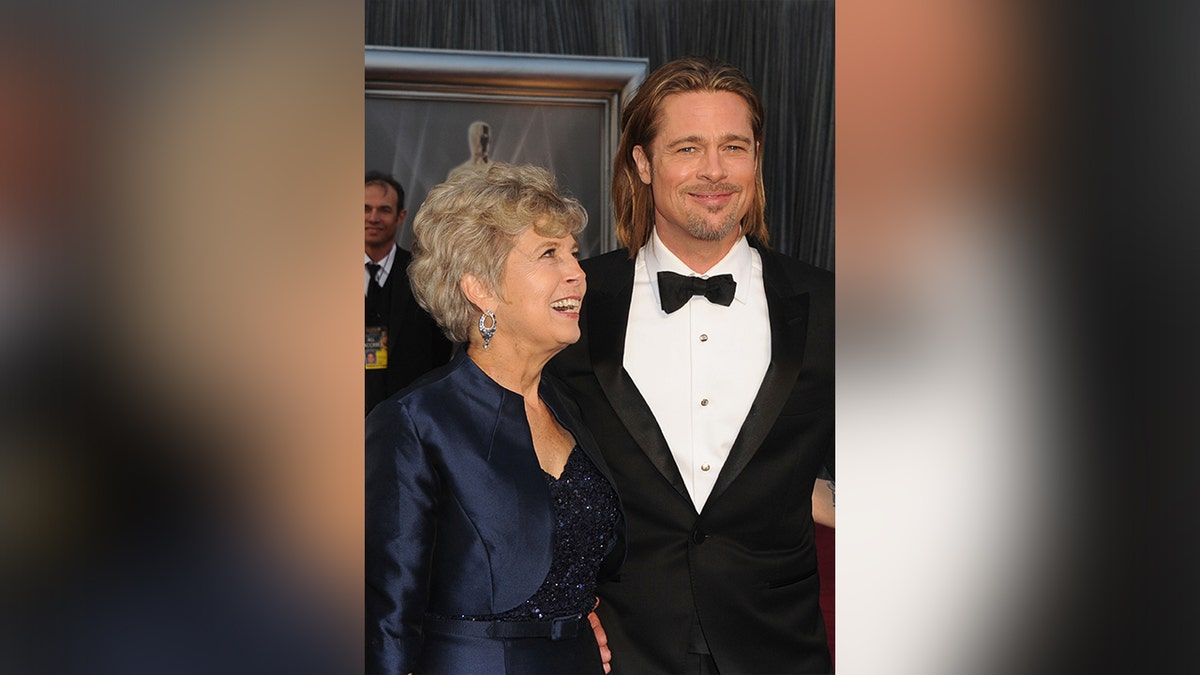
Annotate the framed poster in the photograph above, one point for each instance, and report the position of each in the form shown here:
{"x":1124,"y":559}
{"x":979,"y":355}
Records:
{"x":429,"y":112}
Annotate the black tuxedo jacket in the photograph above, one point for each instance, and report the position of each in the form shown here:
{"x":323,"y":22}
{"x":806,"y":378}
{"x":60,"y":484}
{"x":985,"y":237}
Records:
{"x":415,"y":343}
{"x":743,"y":572}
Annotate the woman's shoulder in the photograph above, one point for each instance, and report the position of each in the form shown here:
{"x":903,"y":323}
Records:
{"x":456,"y":393}
{"x":424,"y":392}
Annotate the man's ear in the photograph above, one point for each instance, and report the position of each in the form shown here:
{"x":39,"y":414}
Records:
{"x":477,"y":292}
{"x":402,"y":216}
{"x":643,"y":163}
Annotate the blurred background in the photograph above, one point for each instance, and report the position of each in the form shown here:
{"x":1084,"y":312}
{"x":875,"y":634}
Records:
{"x":180,"y":463}
{"x":181,"y":453}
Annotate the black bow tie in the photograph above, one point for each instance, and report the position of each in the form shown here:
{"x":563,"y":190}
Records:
{"x":676,"y":289}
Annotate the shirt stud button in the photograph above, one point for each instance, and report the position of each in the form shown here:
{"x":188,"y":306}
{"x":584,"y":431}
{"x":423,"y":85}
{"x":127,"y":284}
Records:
{"x":705,"y":467}
{"x":703,"y":401}
{"x":704,"y":337}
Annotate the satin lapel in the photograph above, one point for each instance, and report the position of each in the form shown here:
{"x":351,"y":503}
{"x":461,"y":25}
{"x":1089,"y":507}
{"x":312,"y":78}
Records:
{"x":788,"y":314}
{"x":608,"y":317}
{"x":568,"y":417}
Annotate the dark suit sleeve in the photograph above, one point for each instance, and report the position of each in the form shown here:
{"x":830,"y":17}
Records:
{"x":823,"y":340}
{"x":415,"y":343}
{"x":401,"y":488}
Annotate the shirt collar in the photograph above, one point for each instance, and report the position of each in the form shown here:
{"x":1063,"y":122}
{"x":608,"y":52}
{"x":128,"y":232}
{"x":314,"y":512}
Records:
{"x":739,"y":262}
{"x":386,"y":263}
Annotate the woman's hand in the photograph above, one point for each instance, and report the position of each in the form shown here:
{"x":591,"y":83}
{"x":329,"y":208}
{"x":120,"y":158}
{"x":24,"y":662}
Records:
{"x":601,"y":638}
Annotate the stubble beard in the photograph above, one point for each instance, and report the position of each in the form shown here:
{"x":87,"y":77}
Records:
{"x":700,"y":228}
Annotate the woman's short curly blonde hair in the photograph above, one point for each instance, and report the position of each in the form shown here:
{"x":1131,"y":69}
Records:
{"x":469,"y":224}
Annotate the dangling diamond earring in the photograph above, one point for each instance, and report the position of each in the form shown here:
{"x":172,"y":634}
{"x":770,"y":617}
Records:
{"x":487,"y":331}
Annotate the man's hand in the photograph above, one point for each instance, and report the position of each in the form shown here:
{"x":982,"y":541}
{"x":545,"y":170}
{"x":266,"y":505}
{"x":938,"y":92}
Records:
{"x":601,"y":639}
{"x":822,"y":503}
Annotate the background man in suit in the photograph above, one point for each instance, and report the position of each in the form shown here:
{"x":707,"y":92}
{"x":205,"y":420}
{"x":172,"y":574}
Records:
{"x":401,"y":341}
{"x":714,"y":411}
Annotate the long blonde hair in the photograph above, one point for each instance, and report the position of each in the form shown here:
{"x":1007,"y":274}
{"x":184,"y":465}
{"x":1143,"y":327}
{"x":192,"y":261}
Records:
{"x":633,"y":200}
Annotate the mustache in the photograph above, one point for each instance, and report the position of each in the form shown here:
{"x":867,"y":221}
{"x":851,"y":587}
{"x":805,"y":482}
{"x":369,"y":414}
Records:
{"x":708,"y":188}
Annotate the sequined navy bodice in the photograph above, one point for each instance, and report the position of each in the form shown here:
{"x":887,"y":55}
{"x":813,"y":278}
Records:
{"x":585,"y":520}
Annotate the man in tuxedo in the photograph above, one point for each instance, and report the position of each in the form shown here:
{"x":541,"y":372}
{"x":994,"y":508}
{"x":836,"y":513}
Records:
{"x":401,"y":341}
{"x":705,"y":371}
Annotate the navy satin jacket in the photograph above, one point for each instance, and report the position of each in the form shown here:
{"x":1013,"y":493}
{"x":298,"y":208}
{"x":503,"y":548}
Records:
{"x":458,"y":515}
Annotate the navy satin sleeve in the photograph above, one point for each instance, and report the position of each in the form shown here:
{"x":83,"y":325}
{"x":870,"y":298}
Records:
{"x":401,"y":493}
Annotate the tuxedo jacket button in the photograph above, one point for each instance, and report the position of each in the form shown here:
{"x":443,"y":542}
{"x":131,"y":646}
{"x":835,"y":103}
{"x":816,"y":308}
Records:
{"x":698,"y":537}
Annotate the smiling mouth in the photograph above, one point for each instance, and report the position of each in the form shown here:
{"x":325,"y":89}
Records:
{"x":567,"y":305}
{"x":713,"y":192}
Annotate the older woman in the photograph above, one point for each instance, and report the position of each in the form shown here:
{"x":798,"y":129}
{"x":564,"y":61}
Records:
{"x":490,"y":512}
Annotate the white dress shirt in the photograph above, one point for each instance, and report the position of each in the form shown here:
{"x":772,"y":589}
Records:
{"x":700,"y":367}
{"x":385,"y":266}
